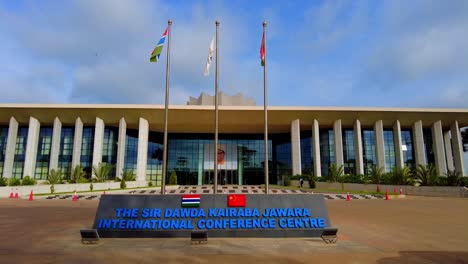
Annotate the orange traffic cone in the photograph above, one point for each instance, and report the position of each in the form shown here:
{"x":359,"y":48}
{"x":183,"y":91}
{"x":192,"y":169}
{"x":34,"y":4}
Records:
{"x":11,"y":194}
{"x":75,"y":198}
{"x":16,"y":194}
{"x":348,"y":198}
{"x":31,"y":196}
{"x":386,"y":194}
{"x":401,"y":191}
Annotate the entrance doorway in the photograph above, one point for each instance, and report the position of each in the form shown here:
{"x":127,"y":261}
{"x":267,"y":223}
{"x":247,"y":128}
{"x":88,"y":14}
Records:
{"x":224,"y":177}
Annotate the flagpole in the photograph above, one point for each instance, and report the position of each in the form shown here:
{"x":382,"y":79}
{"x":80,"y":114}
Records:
{"x":265,"y":110}
{"x":166,"y":105}
{"x":216,"y":117}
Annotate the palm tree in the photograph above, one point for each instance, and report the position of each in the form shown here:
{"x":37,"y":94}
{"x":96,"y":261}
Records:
{"x":426,"y":175}
{"x":128,"y":175}
{"x":101,"y":171}
{"x":402,"y":176}
{"x":78,"y":175}
{"x":55,"y":177}
{"x":335,"y":172}
{"x":376,"y":174}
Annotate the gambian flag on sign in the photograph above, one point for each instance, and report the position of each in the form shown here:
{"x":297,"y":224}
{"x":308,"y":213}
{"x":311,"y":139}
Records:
{"x":191,"y":200}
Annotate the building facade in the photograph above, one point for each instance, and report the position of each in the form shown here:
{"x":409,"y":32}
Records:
{"x":34,"y":139}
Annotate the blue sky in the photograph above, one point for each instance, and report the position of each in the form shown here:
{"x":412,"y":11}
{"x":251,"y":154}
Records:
{"x":320,"y":53}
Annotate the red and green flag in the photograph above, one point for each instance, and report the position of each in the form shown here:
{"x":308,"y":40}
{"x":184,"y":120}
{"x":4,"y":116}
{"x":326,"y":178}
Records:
{"x":157,"y":51}
{"x":262,"y":51}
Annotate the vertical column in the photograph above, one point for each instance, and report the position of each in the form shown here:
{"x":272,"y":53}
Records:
{"x":358,"y":147}
{"x":397,"y":142}
{"x":296,"y":147}
{"x":457,"y":148}
{"x":31,"y":147}
{"x":448,"y":151}
{"x":316,"y":148}
{"x":98,"y":141}
{"x":379,"y":144}
{"x":55,"y":147}
{"x":121,"y":145}
{"x":143,"y":132}
{"x":77,"y":139}
{"x":439,"y":150}
{"x":418,"y":139}
{"x":10,"y":148}
{"x":338,"y":143}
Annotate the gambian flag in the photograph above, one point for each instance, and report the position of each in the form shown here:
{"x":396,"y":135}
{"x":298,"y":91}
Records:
{"x":236,"y":200}
{"x":157,"y":51}
{"x":192,"y":200}
{"x":262,"y":51}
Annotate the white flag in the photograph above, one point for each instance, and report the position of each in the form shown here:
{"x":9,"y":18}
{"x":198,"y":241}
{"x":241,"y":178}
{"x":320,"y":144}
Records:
{"x":211,"y":52}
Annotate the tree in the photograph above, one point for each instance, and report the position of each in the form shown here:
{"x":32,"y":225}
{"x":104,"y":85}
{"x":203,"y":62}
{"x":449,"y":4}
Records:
{"x":54,"y":177}
{"x":173,"y":178}
{"x":426,"y":175}
{"x":376,"y":174}
{"x":335,"y":172}
{"x":101,"y":171}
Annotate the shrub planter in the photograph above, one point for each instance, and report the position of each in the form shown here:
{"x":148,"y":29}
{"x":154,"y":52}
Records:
{"x":68,"y":187}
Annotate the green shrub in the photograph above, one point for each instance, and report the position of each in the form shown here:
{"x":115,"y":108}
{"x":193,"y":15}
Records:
{"x":311,"y":179}
{"x":101,"y":171}
{"x":426,"y":175}
{"x":454,"y":178}
{"x":173,"y":178}
{"x":78,"y":175}
{"x":287,"y":181}
{"x":28,"y":181}
{"x":150,"y":184}
{"x":14,"y":182}
{"x":3,"y":181}
{"x":442,"y":181}
{"x":464,"y":181}
{"x":128,"y":175}
{"x":123,"y":185}
{"x":52,"y":189}
{"x":91,"y":187}
{"x":55,"y":177}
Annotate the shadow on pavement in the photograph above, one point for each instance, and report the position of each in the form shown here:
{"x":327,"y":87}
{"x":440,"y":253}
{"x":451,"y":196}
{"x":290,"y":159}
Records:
{"x":427,"y":257}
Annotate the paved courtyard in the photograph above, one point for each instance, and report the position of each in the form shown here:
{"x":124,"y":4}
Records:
{"x":411,"y":230}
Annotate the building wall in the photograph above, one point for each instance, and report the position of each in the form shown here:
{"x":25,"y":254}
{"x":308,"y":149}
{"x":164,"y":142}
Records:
{"x":190,"y":154}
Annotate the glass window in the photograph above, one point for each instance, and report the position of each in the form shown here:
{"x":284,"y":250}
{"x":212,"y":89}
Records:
{"x":43,"y":153}
{"x":66,"y":151}
{"x":427,"y":135}
{"x":87,"y":145}
{"x":109,"y":149}
{"x":407,"y":148}
{"x":307,"y":161}
{"x":368,"y":150}
{"x":131,"y":150}
{"x":20,"y":152}
{"x":349,"y":153}
{"x":3,"y":143}
{"x":327,"y":150}
{"x":389,"y":149}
